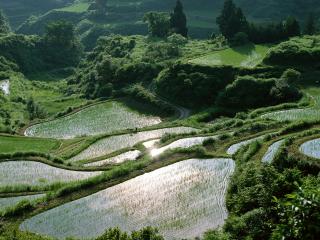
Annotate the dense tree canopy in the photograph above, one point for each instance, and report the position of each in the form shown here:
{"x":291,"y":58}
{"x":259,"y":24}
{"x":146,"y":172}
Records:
{"x":158,"y":23}
{"x":60,"y":40}
{"x":178,"y":20}
{"x":4,"y":24}
{"x":231,"y":20}
{"x":310,"y":27}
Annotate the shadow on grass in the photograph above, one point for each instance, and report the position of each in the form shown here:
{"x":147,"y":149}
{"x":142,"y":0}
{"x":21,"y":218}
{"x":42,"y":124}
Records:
{"x":245,"y":49}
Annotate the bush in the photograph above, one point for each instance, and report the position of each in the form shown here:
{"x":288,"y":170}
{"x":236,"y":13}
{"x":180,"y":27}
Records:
{"x":298,"y":52}
{"x":193,"y":85}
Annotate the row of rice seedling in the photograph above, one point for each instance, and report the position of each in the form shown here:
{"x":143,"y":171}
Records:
{"x":5,"y":87}
{"x":311,"y":148}
{"x":12,"y":201}
{"x":98,"y":119}
{"x":182,"y":200}
{"x":272,"y":151}
{"x":127,"y":156}
{"x":30,"y":173}
{"x":181,"y":143}
{"x":111,"y":144}
{"x":235,"y":147}
{"x":294,"y":115}
{"x":309,"y":114}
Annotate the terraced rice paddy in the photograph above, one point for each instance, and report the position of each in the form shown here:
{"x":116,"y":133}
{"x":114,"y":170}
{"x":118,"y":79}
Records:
{"x":310,"y":114}
{"x":127,"y":156}
{"x":272,"y":151}
{"x":245,"y":56}
{"x":182,"y":200}
{"x":102,"y":118}
{"x":35,"y":173}
{"x":235,"y":147}
{"x":111,"y":144}
{"x":181,"y":143}
{"x":12,"y":201}
{"x":5,"y":87}
{"x":311,"y":148}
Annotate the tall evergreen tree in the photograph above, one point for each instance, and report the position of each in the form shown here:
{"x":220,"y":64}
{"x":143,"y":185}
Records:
{"x":310,"y":27}
{"x":178,"y":20}
{"x":4,"y":24}
{"x":292,"y":27}
{"x":231,"y":20}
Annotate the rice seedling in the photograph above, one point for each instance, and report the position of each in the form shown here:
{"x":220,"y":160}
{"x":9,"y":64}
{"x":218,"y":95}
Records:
{"x":29,"y":173}
{"x":98,"y":119}
{"x":127,"y":156}
{"x":5,"y":87}
{"x":235,"y":147}
{"x":182,"y":200}
{"x":309,"y":114}
{"x":311,"y":148}
{"x":111,"y":144}
{"x":12,"y":201}
{"x":181,"y":143}
{"x":272,"y":151}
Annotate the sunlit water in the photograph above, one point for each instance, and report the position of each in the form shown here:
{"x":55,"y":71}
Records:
{"x":36,"y":173}
{"x":235,"y":147}
{"x":111,"y":144}
{"x":127,"y":156}
{"x":311,"y":148}
{"x":272,"y":152}
{"x":182,"y":200}
{"x":5,"y":87}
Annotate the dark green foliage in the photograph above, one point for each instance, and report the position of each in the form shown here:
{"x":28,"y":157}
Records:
{"x":192,"y":85}
{"x":110,"y":67}
{"x":17,"y":210}
{"x":299,"y":213}
{"x":158,"y":23}
{"x":6,"y":65}
{"x":310,"y":27}
{"x":60,"y":40}
{"x":25,"y":51}
{"x":215,"y":235}
{"x":292,"y":27}
{"x":35,"y":111}
{"x":178,"y":20}
{"x":231,"y":20}
{"x":267,"y":33}
{"x":249,"y":92}
{"x":100,"y":6}
{"x":4,"y":24}
{"x":139,"y":93}
{"x":240,"y":39}
{"x":299,"y":52}
{"x":147,"y":233}
{"x":156,"y":52}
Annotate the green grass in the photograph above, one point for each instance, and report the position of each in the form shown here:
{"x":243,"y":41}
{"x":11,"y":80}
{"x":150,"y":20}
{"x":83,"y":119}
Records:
{"x":77,"y":8}
{"x":11,"y":144}
{"x":244,"y":56}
